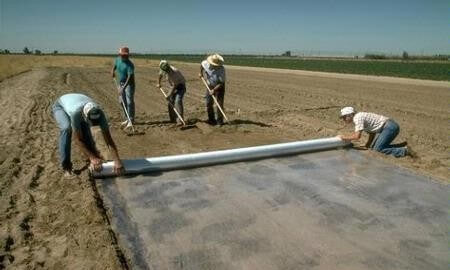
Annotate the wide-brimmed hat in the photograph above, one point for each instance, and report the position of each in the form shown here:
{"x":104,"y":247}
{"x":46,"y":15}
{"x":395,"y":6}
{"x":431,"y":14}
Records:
{"x":346,"y":111}
{"x":124,"y":51}
{"x":215,"y":60}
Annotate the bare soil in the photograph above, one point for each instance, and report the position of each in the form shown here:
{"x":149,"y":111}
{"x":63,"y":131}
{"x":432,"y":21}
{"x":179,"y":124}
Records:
{"x":49,"y":222}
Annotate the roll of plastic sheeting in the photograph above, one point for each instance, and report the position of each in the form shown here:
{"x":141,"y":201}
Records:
{"x":146,"y":165}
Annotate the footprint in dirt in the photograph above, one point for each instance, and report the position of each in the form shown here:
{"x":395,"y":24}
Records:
{"x":34,"y":175}
{"x":66,"y":78}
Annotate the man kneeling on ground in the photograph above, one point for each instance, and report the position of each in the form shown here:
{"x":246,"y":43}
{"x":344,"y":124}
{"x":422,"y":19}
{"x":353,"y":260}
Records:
{"x":76,"y":113}
{"x":373,"y":123}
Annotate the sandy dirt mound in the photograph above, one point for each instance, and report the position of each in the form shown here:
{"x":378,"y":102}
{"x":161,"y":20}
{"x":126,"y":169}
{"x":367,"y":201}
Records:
{"x":49,"y":222}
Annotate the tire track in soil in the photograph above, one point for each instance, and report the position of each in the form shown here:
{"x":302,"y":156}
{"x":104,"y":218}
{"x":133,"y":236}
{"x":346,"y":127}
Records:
{"x":46,"y":221}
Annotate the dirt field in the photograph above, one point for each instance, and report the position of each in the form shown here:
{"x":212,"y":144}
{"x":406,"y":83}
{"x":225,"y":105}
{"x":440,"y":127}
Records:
{"x":51,"y":223}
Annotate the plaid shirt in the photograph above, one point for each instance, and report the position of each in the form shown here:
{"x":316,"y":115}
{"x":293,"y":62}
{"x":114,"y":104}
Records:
{"x":369,"y":122}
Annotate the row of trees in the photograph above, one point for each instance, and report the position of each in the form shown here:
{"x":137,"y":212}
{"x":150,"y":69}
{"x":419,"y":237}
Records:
{"x":405,"y":56}
{"x":26,"y":51}
{"x":36,"y":52}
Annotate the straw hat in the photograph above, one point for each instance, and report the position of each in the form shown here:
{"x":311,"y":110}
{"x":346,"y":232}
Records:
{"x":215,"y":60}
{"x":124,"y":51}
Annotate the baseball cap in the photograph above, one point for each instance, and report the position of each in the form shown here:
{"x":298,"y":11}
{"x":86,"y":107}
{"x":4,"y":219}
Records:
{"x":346,"y":111}
{"x":124,"y":51}
{"x":91,"y":111}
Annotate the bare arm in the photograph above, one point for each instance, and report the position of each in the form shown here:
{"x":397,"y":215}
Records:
{"x":217,"y":87}
{"x":200,"y":75}
{"x":113,"y":71}
{"x":93,"y":157}
{"x":351,"y":137}
{"x":159,"y":80}
{"x":127,"y":81}
{"x":118,"y":166}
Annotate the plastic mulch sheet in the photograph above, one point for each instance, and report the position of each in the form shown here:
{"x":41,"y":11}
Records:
{"x":327,"y":210}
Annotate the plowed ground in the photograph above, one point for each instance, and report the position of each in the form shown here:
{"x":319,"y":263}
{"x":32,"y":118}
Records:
{"x":49,"y":222}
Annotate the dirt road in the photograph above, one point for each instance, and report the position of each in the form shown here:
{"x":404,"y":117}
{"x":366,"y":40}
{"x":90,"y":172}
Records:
{"x":49,"y":222}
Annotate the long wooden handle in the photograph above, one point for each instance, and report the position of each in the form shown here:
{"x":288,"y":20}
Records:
{"x":123,"y":106}
{"x":215,"y":100}
{"x":174,"y":109}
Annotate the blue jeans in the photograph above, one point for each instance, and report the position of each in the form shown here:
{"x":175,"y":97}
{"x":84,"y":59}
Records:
{"x":128,"y":99}
{"x":65,"y":135}
{"x":220,"y":96}
{"x":177,"y":101}
{"x":387,"y":135}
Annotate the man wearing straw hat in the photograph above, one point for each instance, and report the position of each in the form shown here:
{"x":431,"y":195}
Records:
{"x":213,"y":71}
{"x":178,"y":88}
{"x":125,"y":70}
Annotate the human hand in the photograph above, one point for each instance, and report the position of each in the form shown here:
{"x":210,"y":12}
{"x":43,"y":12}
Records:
{"x":120,"y":91}
{"x":118,"y":167}
{"x":96,"y":163}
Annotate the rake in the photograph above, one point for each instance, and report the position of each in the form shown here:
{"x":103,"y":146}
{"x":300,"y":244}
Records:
{"x":124,"y":107}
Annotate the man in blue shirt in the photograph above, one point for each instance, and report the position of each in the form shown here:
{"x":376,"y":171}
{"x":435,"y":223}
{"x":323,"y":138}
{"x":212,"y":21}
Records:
{"x":76,"y":113}
{"x":125,"y":71}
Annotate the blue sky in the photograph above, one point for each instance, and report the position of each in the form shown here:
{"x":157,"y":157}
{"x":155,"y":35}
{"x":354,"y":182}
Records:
{"x":311,"y":27}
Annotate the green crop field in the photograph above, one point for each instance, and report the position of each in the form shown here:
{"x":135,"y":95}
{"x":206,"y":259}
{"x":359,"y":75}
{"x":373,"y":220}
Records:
{"x":437,"y":70}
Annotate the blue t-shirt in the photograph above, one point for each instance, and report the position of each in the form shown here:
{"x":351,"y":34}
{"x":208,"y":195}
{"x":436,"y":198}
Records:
{"x":73,"y":105}
{"x":124,"y":68}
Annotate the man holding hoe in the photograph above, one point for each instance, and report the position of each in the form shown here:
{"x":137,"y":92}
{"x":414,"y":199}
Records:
{"x":76,"y":113}
{"x":125,"y":70}
{"x":178,"y":89}
{"x":213,"y":72}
